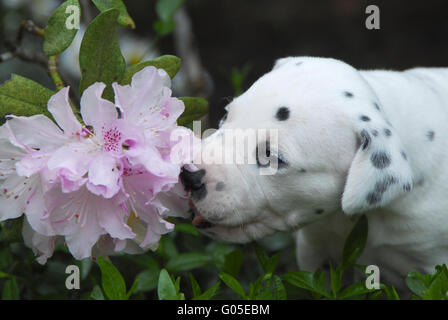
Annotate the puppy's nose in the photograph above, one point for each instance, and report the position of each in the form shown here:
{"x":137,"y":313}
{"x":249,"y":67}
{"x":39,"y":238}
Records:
{"x":193,"y":182}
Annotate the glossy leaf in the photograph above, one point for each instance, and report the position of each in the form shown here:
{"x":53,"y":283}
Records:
{"x":233,"y":262}
{"x":112,"y":281}
{"x":11,"y":290}
{"x":58,"y":36}
{"x":188,"y":261}
{"x":169,"y":63}
{"x":124,"y":19}
{"x":232,"y":283}
{"x":195,"y":288}
{"x":96,"y":293}
{"x":209,"y":293}
{"x":23,"y":97}
{"x":309,"y":281}
{"x":195,"y":108}
{"x":100,"y":57}
{"x":146,"y":280}
{"x":166,"y":289}
{"x":355,"y":243}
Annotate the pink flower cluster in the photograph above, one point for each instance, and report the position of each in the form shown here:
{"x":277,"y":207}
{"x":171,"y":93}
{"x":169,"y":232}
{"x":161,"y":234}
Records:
{"x":101,"y":187}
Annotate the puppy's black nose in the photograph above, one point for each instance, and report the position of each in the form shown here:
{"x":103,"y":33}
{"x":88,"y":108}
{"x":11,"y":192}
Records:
{"x":192,"y":181}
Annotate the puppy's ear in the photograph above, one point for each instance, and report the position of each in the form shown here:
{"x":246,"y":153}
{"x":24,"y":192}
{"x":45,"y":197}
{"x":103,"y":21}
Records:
{"x":282,"y":61}
{"x":380,"y":171}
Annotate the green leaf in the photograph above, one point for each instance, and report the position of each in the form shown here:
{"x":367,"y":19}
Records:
{"x":187,"y":261}
{"x":112,"y":281}
{"x":131,"y":291}
{"x":96,"y":293}
{"x":279,"y":288}
{"x":233,"y":262}
{"x":391,"y":293}
{"x":100,"y":57}
{"x":166,"y":9}
{"x":314,"y":282}
{"x":267,"y":264}
{"x":355,"y":243}
{"x":11,"y":290}
{"x":166,"y":289}
{"x":124,"y":19}
{"x":194,"y":109}
{"x":167,"y":248}
{"x":11,"y":230}
{"x":187,"y":228}
{"x":164,"y":27}
{"x":415,"y":283}
{"x":355,"y":290}
{"x":23,"y":97}
{"x":169,"y":63}
{"x":57,"y":36}
{"x":261,"y":288}
{"x":195,"y":288}
{"x":233,"y":284}
{"x":147,"y":280}
{"x":210,"y":293}
{"x":335,"y":279}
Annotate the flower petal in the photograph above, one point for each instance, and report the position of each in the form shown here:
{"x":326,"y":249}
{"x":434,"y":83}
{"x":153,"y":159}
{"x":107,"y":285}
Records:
{"x":95,"y":110}
{"x":112,"y":218}
{"x":104,"y":176}
{"x":37,"y":132}
{"x":15,"y":193}
{"x":42,"y":246}
{"x":62,"y":112}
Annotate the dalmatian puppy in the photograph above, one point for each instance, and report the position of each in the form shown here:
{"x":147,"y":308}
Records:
{"x":349,"y":142}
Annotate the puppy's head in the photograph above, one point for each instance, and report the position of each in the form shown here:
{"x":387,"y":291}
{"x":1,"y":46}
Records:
{"x":307,"y":139}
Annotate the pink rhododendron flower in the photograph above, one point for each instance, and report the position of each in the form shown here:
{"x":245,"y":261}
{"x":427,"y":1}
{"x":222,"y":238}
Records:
{"x":106,"y":184}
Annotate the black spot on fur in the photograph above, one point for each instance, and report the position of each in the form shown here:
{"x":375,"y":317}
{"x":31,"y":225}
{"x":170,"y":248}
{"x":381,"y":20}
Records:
{"x":387,"y":132}
{"x":430,"y":134}
{"x":380,"y":187}
{"x":365,"y":139}
{"x":364,"y":118}
{"x":377,"y":107}
{"x":220,"y":186}
{"x":281,"y":162}
{"x":375,"y":133}
{"x":407,"y":187}
{"x":319,"y":211}
{"x":373,"y":198}
{"x":282,"y":114}
{"x":380,"y":159}
{"x":301,"y":170}
{"x":403,"y":154}
{"x":348,"y":94}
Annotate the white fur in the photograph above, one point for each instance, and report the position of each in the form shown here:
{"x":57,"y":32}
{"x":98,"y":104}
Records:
{"x":408,"y":223}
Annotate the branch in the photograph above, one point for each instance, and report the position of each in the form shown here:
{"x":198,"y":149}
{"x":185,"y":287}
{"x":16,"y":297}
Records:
{"x":15,"y":50}
{"x":53,"y":71}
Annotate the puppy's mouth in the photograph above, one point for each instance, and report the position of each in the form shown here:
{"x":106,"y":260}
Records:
{"x":199,"y":221}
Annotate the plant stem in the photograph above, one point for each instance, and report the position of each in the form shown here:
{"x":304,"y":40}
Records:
{"x":53,"y":71}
